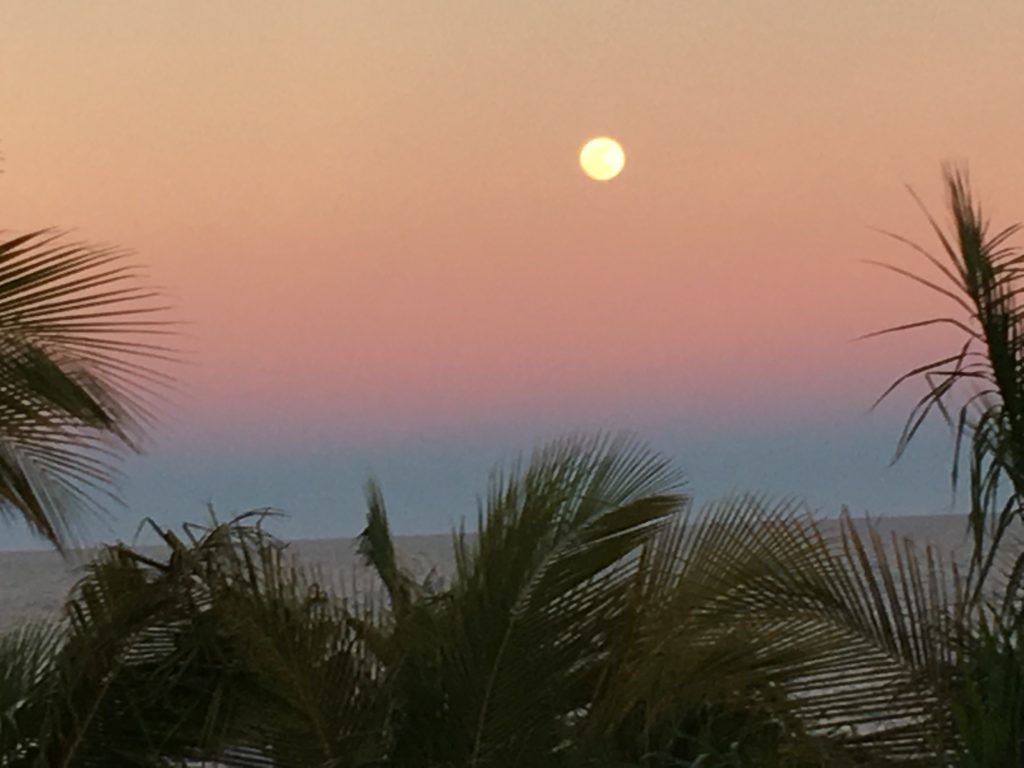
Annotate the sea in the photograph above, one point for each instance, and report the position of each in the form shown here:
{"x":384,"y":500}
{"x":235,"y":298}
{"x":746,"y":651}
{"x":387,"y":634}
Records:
{"x":33,"y":584}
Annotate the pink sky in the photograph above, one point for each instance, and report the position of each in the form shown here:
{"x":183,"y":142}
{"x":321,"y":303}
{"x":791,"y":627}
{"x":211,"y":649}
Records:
{"x":371,"y":215}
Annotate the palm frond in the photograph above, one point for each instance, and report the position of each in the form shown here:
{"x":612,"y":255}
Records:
{"x":983,"y":279}
{"x":749,"y":609}
{"x":378,"y":551}
{"x":82,"y":354}
{"x":489,"y":666}
{"x":220,"y":649}
{"x":26,"y":664}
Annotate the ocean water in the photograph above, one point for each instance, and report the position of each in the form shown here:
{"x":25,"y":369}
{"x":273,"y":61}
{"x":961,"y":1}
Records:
{"x":33,"y":584}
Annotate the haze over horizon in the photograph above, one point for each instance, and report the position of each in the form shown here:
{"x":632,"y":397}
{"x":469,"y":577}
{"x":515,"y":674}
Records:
{"x":371,"y":218}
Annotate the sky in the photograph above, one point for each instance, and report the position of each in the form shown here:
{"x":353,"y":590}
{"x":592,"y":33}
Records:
{"x":371,"y":221}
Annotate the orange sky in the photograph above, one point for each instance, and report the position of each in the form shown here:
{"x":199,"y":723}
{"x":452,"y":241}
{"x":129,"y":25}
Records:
{"x":371,"y":214}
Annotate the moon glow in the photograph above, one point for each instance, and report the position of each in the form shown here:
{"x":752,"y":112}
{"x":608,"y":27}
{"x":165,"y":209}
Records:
{"x":602,"y":158}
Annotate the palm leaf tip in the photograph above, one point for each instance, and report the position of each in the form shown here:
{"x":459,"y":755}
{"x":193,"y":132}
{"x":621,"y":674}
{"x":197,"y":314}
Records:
{"x":377,"y":549}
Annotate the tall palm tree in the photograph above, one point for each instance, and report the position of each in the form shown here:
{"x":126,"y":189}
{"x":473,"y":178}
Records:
{"x":80,"y":355}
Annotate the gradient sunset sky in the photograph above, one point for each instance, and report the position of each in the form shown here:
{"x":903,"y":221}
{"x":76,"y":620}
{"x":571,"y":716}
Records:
{"x":372,"y":219}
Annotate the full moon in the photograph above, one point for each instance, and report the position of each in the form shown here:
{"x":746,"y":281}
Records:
{"x":602,"y":158}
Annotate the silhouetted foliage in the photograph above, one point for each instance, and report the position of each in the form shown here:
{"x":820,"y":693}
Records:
{"x":595,"y":618}
{"x":80,"y":344}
